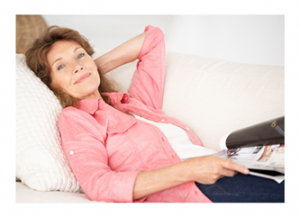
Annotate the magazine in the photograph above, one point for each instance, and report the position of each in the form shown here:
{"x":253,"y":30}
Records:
{"x":260,"y":148}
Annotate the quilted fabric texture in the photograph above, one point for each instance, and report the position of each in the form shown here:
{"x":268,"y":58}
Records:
{"x":40,"y":162}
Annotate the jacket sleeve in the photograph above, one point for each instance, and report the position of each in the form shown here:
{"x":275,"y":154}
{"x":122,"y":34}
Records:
{"x":148,"y":79}
{"x":83,"y":144}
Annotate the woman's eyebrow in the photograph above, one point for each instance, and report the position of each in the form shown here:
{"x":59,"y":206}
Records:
{"x":57,"y":60}
{"x":76,"y":49}
{"x":61,"y":57}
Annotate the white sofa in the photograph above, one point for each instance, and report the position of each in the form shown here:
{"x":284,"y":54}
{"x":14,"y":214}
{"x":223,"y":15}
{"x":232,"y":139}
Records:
{"x":216,"y":97}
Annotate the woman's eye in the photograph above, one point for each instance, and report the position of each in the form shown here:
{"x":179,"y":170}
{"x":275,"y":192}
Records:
{"x":80,"y":55}
{"x":60,"y":67}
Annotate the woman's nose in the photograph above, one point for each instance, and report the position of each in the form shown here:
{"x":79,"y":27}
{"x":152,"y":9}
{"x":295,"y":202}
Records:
{"x":78,"y":68}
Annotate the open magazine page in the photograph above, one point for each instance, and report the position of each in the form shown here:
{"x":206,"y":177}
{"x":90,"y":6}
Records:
{"x":266,"y":158}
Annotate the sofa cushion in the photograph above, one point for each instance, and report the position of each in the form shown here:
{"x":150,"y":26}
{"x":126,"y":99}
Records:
{"x":215,"y":97}
{"x":27,"y":195}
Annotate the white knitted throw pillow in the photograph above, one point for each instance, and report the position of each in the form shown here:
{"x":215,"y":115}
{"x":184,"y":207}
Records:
{"x":40,"y":161}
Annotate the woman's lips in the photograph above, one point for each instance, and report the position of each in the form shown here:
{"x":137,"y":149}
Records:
{"x":82,"y":78}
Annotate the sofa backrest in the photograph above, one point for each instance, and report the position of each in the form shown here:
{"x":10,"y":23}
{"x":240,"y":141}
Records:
{"x":215,"y":97}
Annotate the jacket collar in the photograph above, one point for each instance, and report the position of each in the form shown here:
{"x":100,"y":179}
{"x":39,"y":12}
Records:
{"x":89,"y":105}
{"x":92,"y":105}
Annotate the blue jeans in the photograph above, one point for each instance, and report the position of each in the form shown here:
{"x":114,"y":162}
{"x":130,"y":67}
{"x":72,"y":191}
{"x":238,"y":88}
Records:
{"x":244,"y":188}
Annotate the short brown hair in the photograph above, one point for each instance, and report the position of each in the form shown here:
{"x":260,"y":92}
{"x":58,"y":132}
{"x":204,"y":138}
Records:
{"x":36,"y":60}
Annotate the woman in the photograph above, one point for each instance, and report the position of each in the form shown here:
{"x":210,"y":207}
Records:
{"x":118,"y":144}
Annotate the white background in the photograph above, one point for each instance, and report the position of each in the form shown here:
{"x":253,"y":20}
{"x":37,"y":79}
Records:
{"x":253,"y":39}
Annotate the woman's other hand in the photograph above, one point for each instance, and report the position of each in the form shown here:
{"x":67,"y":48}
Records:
{"x":208,"y":169}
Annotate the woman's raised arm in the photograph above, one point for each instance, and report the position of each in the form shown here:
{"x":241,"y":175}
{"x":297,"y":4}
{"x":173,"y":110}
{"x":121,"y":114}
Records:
{"x":125,"y":53}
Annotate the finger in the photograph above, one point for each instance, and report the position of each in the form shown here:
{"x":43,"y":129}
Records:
{"x":227,"y":172}
{"x":236,"y":167}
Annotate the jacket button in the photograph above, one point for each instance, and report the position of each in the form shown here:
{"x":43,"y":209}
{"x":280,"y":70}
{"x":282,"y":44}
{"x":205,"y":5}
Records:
{"x":71,"y":152}
{"x":163,"y":120}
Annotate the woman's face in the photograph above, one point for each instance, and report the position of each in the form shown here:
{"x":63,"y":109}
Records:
{"x":73,"y":70}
